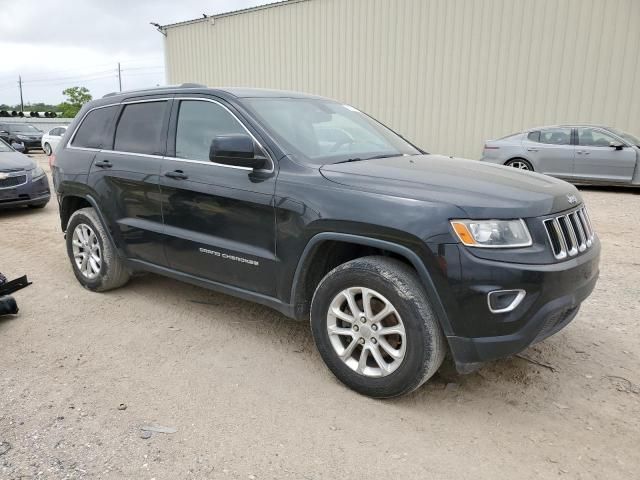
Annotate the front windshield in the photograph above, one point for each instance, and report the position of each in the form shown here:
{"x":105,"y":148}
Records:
{"x":4,"y":146}
{"x":627,"y":136}
{"x":24,"y":129}
{"x":324,"y":131}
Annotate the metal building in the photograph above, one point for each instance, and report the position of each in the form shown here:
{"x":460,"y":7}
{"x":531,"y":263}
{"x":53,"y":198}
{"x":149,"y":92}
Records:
{"x":447,"y":74}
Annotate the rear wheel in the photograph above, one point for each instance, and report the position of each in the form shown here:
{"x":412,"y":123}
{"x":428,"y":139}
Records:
{"x":520,"y":163}
{"x":95,"y":262}
{"x":374,"y":327}
{"x":47,"y":149}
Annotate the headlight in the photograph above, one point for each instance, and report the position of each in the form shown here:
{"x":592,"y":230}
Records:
{"x":492,"y":233}
{"x":22,"y":137}
{"x":37,"y":173}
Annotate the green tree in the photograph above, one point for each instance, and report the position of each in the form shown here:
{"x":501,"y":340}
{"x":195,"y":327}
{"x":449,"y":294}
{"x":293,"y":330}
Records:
{"x":76,"y":98}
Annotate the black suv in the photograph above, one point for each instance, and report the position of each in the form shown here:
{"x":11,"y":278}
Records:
{"x":313,"y":208}
{"x":23,"y":133}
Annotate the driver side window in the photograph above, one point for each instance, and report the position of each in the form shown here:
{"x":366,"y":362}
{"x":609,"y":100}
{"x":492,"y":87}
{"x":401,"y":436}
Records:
{"x":592,"y":137}
{"x":199,"y":122}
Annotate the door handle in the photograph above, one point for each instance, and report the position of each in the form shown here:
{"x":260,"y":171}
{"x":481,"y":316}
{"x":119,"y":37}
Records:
{"x":103,"y":164}
{"x":532,"y":149}
{"x":177,"y":174}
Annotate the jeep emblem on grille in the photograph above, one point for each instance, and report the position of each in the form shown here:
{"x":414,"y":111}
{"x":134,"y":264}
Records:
{"x":572,"y":199}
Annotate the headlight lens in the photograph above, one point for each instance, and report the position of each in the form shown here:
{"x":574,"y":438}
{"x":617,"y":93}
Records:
{"x":37,"y":173}
{"x":492,"y":233}
{"x":22,"y":137}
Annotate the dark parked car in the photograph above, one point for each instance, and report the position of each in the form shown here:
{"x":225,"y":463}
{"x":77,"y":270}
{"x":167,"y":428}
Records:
{"x":22,"y":181}
{"x":23,"y":133}
{"x":313,"y":208}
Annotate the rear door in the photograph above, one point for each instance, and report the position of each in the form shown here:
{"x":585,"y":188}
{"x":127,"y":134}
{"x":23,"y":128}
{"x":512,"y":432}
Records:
{"x":597,"y":160}
{"x":550,"y":151}
{"x":219,"y":219}
{"x":125,"y":174}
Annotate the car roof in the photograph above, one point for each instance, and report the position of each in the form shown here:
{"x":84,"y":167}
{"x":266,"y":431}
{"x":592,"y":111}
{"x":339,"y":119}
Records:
{"x":194,"y":88}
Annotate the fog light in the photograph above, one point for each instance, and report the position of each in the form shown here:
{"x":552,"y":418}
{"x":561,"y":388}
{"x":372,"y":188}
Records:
{"x":503,"y":301}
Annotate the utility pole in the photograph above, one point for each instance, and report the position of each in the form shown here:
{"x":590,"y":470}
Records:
{"x":119,"y":77}
{"x":20,"y":86}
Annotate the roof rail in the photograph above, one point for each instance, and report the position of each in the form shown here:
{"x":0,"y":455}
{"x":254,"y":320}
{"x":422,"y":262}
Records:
{"x":182,"y":85}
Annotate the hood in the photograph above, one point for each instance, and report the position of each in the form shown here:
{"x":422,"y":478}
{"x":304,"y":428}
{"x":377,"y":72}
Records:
{"x":482,"y":190}
{"x":11,"y":161}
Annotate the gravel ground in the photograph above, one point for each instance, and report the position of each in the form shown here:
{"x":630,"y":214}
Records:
{"x":249,"y":397}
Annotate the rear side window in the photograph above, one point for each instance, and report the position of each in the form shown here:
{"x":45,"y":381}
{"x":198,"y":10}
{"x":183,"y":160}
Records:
{"x":140,"y":128}
{"x":198,"y":123}
{"x":556,"y":136}
{"x":534,"y":136}
{"x":93,"y":131}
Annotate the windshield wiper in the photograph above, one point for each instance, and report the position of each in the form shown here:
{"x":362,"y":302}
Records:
{"x":358,"y":159}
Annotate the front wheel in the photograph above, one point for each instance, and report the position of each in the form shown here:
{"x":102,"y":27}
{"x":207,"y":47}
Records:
{"x":374,"y":327}
{"x":520,"y":163}
{"x":47,"y":149}
{"x":95,"y":261}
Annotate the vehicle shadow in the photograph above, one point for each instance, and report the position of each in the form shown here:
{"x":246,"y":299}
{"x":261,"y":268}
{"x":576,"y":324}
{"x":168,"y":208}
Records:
{"x":609,"y":189}
{"x":269,"y":327}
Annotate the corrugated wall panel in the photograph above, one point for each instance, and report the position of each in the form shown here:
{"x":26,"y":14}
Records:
{"x":447,"y":74}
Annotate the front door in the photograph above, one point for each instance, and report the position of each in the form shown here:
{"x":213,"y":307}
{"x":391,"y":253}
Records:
{"x":551,"y":151}
{"x":219,"y":220}
{"x":125,"y":176}
{"x":597,"y":160}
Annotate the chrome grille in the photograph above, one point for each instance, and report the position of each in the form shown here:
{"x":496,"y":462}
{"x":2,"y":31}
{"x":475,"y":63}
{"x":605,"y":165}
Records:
{"x":570,"y":234}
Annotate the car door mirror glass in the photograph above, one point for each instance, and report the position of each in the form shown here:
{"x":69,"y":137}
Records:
{"x":238,"y":150}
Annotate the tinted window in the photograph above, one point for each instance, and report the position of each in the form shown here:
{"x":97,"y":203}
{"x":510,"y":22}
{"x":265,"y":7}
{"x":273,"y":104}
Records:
{"x":94,"y":129}
{"x":534,"y":136}
{"x":591,"y":137}
{"x":198,"y":123}
{"x":140,"y":127}
{"x":556,"y":136}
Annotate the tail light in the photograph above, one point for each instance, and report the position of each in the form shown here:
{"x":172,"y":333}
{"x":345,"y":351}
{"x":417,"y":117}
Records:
{"x":491,"y":147}
{"x":52,"y":160}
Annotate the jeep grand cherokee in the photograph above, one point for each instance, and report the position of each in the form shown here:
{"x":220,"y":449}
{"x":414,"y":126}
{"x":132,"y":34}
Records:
{"x":309,"y":206}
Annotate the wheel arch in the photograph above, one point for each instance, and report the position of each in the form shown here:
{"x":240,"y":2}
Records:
{"x":72,"y":203}
{"x":306,"y":278}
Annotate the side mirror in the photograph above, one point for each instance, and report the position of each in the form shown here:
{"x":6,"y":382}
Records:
{"x":238,"y":150}
{"x":616,"y":145}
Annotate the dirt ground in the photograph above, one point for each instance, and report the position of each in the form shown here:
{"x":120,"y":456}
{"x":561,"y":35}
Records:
{"x":249,"y":397}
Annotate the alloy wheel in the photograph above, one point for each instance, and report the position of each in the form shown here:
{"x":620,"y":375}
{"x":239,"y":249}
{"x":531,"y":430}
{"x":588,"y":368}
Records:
{"x":519,"y":164}
{"x":366,"y":332}
{"x":86,"y":251}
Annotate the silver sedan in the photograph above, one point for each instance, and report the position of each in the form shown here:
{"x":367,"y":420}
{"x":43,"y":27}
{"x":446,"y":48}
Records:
{"x":584,"y":154}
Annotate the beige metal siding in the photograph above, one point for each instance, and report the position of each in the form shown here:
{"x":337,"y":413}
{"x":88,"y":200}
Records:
{"x":447,"y":74}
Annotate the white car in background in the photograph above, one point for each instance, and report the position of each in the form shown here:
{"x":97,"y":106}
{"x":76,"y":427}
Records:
{"x":51,"y":139}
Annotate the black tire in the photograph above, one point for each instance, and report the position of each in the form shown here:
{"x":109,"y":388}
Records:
{"x":399,"y":284}
{"x":515,"y":161}
{"x":113,"y":272}
{"x":47,"y":149}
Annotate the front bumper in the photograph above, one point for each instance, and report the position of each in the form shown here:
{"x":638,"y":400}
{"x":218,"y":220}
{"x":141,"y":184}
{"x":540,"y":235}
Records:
{"x":554,"y":293}
{"x":31,"y":144}
{"x":31,"y":193}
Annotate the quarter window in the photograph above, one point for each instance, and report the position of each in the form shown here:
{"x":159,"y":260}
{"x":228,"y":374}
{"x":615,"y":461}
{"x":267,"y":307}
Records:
{"x":556,"y":136}
{"x":534,"y":136}
{"x":198,"y":123}
{"x":140,"y":127}
{"x":591,"y":137}
{"x":94,"y":129}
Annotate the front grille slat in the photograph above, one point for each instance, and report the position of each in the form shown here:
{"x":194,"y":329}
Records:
{"x":569,"y":234}
{"x":14,"y":181}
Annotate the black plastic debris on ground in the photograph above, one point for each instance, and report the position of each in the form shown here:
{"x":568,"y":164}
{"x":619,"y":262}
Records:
{"x":8,"y":305}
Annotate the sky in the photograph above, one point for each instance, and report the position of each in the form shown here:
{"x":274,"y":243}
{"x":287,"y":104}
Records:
{"x":54,"y":45}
